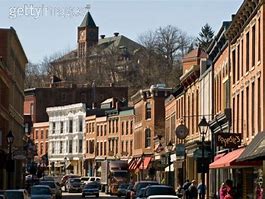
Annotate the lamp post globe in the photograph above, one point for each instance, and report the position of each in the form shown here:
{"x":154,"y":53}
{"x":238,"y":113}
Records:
{"x":10,"y":137}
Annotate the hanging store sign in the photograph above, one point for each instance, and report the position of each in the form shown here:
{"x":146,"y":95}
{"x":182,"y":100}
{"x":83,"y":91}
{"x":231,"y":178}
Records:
{"x":228,"y":140}
{"x":181,"y":131}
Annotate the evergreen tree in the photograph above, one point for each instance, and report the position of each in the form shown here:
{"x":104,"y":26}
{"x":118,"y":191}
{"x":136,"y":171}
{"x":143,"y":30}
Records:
{"x":205,"y":37}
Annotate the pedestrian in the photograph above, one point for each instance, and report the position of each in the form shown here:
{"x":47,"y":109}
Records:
{"x":259,"y":191}
{"x":222,"y":191}
{"x":185,"y":187}
{"x":201,"y":190}
{"x":229,"y":194}
{"x":193,"y":192}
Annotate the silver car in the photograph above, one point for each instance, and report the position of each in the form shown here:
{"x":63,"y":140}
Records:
{"x":56,"y":189}
{"x":17,"y":193}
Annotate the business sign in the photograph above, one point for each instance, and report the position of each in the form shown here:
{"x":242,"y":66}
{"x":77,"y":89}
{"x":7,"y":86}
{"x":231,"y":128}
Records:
{"x":228,"y":140}
{"x":180,"y":150}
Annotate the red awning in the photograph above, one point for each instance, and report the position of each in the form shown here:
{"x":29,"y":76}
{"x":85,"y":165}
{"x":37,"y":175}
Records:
{"x":218,"y":156}
{"x":229,"y":161}
{"x":145,"y":163}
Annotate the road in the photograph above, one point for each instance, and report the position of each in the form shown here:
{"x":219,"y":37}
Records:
{"x":78,"y":196}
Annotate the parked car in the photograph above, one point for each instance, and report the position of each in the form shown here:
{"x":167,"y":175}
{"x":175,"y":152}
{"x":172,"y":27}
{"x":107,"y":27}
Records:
{"x":84,"y":180}
{"x":65,"y":178}
{"x":91,"y":188}
{"x":42,"y":191}
{"x":128,"y":191}
{"x":122,"y":189}
{"x":47,"y":178}
{"x":17,"y":194}
{"x":56,"y":189}
{"x":73,"y":185}
{"x":153,"y":190}
{"x":92,"y":179}
{"x":141,"y":194}
{"x":2,"y":196}
{"x":163,"y":197}
{"x":139,"y":185}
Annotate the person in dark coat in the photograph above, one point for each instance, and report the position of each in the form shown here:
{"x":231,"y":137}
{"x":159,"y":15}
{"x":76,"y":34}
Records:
{"x":185,"y":187}
{"x":193,"y":191}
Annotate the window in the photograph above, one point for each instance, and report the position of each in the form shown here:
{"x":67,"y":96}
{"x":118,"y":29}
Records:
{"x":122,"y":128}
{"x":97,"y":130}
{"x":131,"y":127}
{"x":127,"y":127}
{"x":80,"y":146}
{"x":80,"y":125}
{"x":247,"y":111}
{"x":70,"y":126}
{"x":147,"y":137}
{"x":41,"y":148}
{"x":53,"y":149}
{"x":131,"y":147}
{"x":105,"y":148}
{"x":117,"y":145}
{"x":242,"y":112}
{"x":89,"y":127}
{"x":47,"y":133}
{"x":113,"y":126}
{"x":233,"y":65}
{"x":46,"y":147}
{"x":61,"y":146}
{"x":259,"y":107}
{"x":91,"y":146}
{"x":87,"y":146}
{"x":70,"y":150}
{"x":117,"y":125}
{"x":41,"y":134}
{"x":31,"y":109}
{"x":93,"y":127}
{"x":122,"y":146}
{"x":61,"y":125}
{"x":247,"y":52}
{"x":238,"y":62}
{"x":97,"y":149}
{"x":126,"y":147}
{"x":105,"y":129}
{"x":148,"y":110}
{"x":37,"y":134}
{"x":253,"y":108}
{"x":253,"y":45}
{"x":259,"y":40}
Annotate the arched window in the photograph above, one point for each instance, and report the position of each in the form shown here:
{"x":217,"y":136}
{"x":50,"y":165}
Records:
{"x":147,"y":137}
{"x":148,"y":110}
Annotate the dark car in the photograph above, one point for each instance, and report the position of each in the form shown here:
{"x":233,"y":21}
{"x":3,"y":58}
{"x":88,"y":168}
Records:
{"x":139,"y":185}
{"x":141,"y":194}
{"x":56,"y":189}
{"x":73,"y":185}
{"x":91,"y":188}
{"x":122,"y":189}
{"x":128,"y":191}
{"x":159,"y":190}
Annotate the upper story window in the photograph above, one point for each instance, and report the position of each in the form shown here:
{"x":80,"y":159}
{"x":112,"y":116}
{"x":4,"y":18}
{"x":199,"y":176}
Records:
{"x":41,"y":134}
{"x":147,"y":137}
{"x":53,"y":127}
{"x":80,"y":125}
{"x":148,"y":110}
{"x":61,"y":127}
{"x":37,"y":132}
{"x":71,"y":126}
{"x":70,"y":150}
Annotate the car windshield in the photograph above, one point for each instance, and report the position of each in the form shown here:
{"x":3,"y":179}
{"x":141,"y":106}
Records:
{"x":14,"y":194}
{"x":91,"y":186}
{"x":123,"y":186}
{"x":50,"y":184}
{"x":141,"y":192}
{"x":160,"y":191}
{"x":144,"y":184}
{"x":75,"y":180}
{"x":121,"y":174}
{"x":84,"y":178}
{"x":40,"y":191}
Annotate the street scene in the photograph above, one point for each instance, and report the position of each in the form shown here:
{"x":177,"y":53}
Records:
{"x":135,"y":99}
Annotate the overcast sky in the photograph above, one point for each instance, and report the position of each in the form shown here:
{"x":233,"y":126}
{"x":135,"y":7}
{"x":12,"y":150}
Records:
{"x":48,"y":27}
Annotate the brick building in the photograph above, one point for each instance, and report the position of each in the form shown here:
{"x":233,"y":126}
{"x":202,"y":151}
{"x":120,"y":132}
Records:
{"x":149,"y":124}
{"x":12,"y":73}
{"x":38,"y":99}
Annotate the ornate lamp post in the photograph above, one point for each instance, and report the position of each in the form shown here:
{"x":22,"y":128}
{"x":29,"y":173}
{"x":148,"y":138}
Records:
{"x":203,"y":128}
{"x":10,"y":165}
{"x":169,"y":149}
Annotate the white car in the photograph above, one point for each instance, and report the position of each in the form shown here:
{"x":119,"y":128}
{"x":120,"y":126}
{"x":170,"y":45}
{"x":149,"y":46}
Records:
{"x":93,"y":179}
{"x":162,"y":197}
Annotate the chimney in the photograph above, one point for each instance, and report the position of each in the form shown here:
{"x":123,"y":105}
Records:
{"x":116,"y":34}
{"x":102,"y":36}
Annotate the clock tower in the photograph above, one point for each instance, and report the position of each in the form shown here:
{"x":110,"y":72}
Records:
{"x":87,"y":35}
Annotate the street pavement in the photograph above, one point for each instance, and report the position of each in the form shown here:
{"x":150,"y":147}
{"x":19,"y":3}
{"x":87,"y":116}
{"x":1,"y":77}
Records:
{"x":78,"y":196}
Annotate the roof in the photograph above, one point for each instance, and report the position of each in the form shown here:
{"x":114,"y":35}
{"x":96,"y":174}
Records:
{"x":255,"y":150}
{"x":198,"y":52}
{"x":88,"y":21}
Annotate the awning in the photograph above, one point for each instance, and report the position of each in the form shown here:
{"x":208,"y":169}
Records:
{"x":229,"y":161}
{"x":144,"y":163}
{"x":171,"y":168}
{"x":133,"y":164}
{"x":99,"y":170}
{"x":69,"y":167}
{"x":218,"y":156}
{"x":255,"y":150}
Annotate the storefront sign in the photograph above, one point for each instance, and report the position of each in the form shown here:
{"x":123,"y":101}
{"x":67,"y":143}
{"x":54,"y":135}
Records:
{"x":228,"y":140}
{"x":180,"y":150}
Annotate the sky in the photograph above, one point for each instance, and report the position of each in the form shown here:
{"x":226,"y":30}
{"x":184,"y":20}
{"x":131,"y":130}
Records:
{"x":48,"y":27}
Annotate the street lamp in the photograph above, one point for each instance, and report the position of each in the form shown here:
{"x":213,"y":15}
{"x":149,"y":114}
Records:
{"x":203,"y":127}
{"x":169,"y":149}
{"x":10,"y":166}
